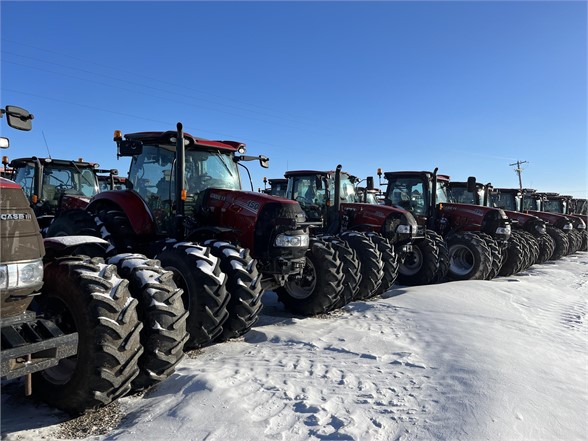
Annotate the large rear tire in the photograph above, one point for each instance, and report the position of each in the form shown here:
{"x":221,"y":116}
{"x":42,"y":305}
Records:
{"x":561,"y":242}
{"x":71,"y":223}
{"x":420,"y":266}
{"x":515,"y":255}
{"x":371,"y":265}
{"x":86,"y":296}
{"x":162,"y":312}
{"x":319,"y":288}
{"x":469,"y":257}
{"x":546,"y":247}
{"x":390,"y":260}
{"x":496,"y":253}
{"x":351,"y":270}
{"x":243,"y":286}
{"x":443,"y":257}
{"x":197,"y":272}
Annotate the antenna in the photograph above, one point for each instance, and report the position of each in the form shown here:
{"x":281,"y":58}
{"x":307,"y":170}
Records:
{"x":519,"y":171}
{"x":46,"y":145}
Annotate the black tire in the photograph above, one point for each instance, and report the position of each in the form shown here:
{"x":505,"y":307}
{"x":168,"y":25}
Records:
{"x":469,"y":257}
{"x":370,"y":259}
{"x":575,"y":241}
{"x":162,"y":312}
{"x":71,"y":223}
{"x":584,"y":235}
{"x":496,"y":253}
{"x":443,"y":257}
{"x":533,"y":246}
{"x":86,"y":296}
{"x":115,"y":227}
{"x":390,"y":260}
{"x":420,"y":266}
{"x":319,"y":288}
{"x":515,"y":256}
{"x":243,"y":285}
{"x":561,"y":242}
{"x":546,"y":247}
{"x":197,"y":272}
{"x":351,"y":270}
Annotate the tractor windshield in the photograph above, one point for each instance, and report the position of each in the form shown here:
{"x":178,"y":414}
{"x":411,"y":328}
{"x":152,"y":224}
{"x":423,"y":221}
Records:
{"x":347,"y":189}
{"x":152,"y":173}
{"x":506,"y":201}
{"x":530,"y":202}
{"x":409,"y":194}
{"x":554,"y":206}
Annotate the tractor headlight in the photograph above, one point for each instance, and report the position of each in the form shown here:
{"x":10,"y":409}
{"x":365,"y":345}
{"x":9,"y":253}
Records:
{"x":292,"y":240}
{"x":541,"y":228}
{"x":581,"y":225}
{"x":568,"y":227}
{"x":403,"y":229}
{"x":504,"y":231}
{"x":21,"y":274}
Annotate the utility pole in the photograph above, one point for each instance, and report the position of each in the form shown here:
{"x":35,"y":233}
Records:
{"x":519,"y":171}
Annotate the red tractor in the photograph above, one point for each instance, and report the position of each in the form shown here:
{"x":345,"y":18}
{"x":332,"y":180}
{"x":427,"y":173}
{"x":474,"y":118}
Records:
{"x":529,"y":242}
{"x":380,"y":236}
{"x":55,"y":185}
{"x":79,"y":333}
{"x":474,"y":235}
{"x":184,"y":205}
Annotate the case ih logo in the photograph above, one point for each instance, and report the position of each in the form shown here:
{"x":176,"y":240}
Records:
{"x":15,"y":216}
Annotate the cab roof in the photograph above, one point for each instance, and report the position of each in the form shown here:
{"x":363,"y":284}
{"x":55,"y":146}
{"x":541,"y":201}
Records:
{"x":193,"y":141}
{"x":50,"y":161}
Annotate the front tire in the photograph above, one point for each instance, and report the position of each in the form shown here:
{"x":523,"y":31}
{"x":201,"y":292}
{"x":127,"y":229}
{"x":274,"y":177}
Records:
{"x":421,"y":264}
{"x":319,"y":288}
{"x":243,"y":286}
{"x":561,"y":242}
{"x":469,"y":257}
{"x":371,"y":265}
{"x":197,"y":271}
{"x":390,"y":260}
{"x":86,"y":296}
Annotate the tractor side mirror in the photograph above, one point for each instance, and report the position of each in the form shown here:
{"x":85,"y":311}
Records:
{"x":4,"y":143}
{"x":264,"y":161}
{"x":369,"y":182}
{"x":129,"y":147}
{"x":18,"y":118}
{"x":472,"y":184}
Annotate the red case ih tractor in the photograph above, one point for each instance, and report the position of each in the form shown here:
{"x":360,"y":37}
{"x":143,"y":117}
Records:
{"x":185,"y":207}
{"x":55,"y":185}
{"x":474,"y":235}
{"x":379,"y":236}
{"x":69,"y":323}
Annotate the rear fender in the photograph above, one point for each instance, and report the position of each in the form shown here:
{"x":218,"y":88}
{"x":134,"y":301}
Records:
{"x":130,"y":203}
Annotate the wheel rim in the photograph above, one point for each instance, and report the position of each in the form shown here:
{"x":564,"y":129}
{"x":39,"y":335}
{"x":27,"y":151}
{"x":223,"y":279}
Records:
{"x":413,"y":262}
{"x":461,"y":260}
{"x":302,"y":287}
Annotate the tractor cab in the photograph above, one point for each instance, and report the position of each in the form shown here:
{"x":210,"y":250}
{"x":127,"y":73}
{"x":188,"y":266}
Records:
{"x":53,"y":185}
{"x":278,"y":187}
{"x":471,"y":192}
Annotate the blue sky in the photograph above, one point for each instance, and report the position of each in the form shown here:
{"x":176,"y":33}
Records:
{"x":468,"y":87}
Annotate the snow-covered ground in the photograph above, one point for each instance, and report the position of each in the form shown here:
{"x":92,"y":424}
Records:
{"x":505,"y":359}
